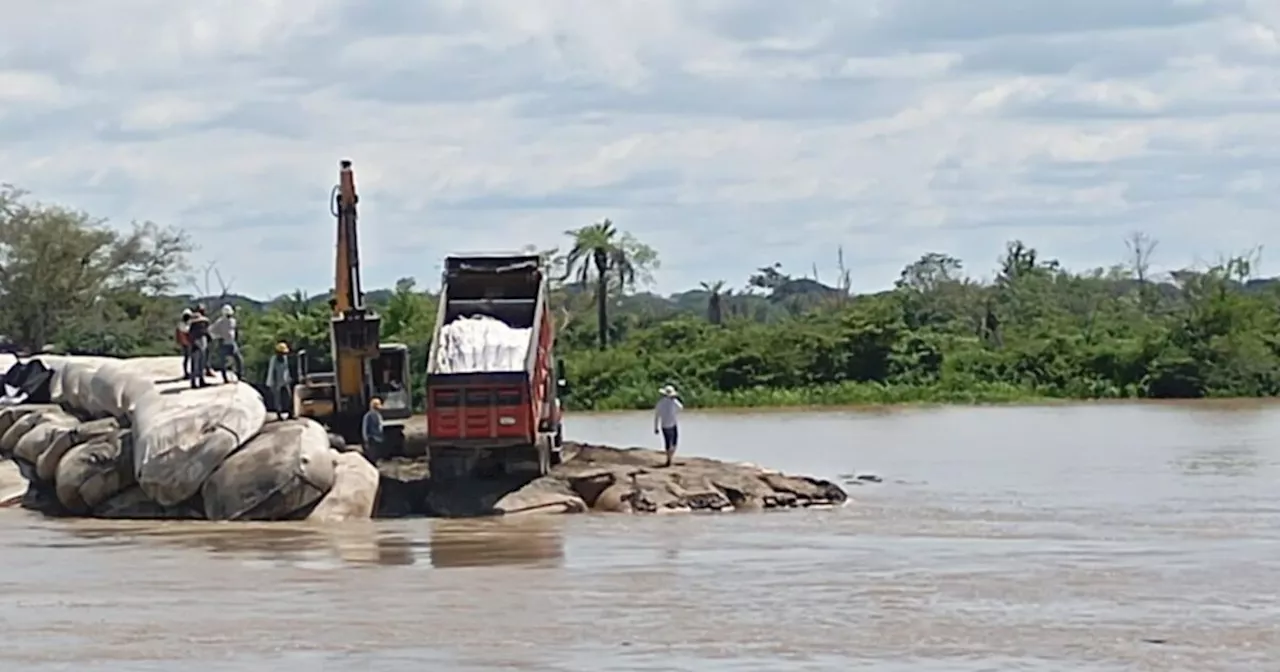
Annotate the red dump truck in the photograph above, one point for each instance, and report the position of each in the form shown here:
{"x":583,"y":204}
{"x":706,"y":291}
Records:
{"x":493,"y":422}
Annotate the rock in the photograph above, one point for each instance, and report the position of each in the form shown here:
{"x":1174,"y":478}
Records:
{"x":543,"y":495}
{"x":93,"y":472}
{"x":354,"y":492}
{"x":602,"y":478}
{"x":285,"y":468}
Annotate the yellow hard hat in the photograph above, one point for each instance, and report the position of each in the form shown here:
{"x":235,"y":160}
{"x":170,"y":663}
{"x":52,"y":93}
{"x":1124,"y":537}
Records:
{"x":282,"y":347}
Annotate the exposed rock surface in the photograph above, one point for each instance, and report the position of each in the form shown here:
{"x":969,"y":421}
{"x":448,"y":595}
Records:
{"x":601,"y":478}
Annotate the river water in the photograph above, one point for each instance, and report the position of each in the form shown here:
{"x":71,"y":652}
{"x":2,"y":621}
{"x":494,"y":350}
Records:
{"x":1091,"y":537}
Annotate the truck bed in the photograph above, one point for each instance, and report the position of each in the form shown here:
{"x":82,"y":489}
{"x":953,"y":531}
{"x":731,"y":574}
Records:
{"x":508,"y":289}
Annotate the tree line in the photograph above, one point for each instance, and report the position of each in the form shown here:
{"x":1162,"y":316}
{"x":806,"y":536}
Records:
{"x":1036,"y":330}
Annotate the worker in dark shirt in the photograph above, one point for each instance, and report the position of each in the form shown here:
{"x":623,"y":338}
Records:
{"x":198,"y":335}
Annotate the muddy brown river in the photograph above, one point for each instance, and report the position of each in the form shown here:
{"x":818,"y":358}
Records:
{"x":1105,"y":537}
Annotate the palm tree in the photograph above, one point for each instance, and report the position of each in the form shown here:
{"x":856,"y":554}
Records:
{"x":714,"y":290}
{"x":599,"y":247}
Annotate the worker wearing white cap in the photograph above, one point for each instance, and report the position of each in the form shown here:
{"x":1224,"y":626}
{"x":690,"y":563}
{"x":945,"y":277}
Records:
{"x":666,"y":415}
{"x":223,"y":331}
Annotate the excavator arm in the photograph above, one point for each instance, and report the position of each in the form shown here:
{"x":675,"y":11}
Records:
{"x":363,"y":366}
{"x":353,"y":327}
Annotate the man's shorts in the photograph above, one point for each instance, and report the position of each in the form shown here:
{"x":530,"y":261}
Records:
{"x":670,"y":436}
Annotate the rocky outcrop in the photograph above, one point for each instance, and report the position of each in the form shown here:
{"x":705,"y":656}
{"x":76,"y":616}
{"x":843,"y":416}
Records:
{"x":605,"y":479}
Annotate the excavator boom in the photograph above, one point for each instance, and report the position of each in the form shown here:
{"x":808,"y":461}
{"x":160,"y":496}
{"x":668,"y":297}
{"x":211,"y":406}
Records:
{"x":353,"y":328}
{"x":363,"y":366}
{"x":347,"y":292}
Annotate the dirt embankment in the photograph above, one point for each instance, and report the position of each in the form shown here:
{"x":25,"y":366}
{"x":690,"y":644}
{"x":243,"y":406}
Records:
{"x":602,"y":478}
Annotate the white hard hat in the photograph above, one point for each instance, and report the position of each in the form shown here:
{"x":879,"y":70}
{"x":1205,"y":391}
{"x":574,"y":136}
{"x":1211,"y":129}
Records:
{"x":227,"y":309}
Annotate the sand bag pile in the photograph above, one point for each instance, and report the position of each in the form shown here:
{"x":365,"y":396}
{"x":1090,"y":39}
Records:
{"x":481,"y":344}
{"x":129,"y":438}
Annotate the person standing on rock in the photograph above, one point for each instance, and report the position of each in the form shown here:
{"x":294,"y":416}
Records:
{"x":280,"y":381}
{"x":666,"y":416}
{"x":198,"y":334}
{"x":371,"y":430}
{"x":224,"y":330}
{"x":183,"y":336}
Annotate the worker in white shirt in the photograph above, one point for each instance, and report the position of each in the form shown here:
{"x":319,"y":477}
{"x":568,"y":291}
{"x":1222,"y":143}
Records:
{"x":666,"y":415}
{"x":223,"y":330}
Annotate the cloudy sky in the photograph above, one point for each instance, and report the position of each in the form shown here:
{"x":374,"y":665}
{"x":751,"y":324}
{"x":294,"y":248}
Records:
{"x":728,"y":134}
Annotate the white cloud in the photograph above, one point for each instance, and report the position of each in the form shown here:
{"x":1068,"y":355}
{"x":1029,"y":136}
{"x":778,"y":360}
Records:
{"x":728,"y":134}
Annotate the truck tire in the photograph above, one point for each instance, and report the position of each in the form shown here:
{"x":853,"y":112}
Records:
{"x":559,"y":435}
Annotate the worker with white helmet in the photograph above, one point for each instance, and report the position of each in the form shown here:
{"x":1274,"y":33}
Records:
{"x":224,"y":331}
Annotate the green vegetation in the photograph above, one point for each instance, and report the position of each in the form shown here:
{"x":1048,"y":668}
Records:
{"x":1036,"y":331}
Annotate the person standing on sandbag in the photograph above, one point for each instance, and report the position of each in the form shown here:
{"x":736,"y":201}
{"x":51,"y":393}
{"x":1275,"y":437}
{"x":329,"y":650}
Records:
{"x":224,"y":330}
{"x":371,"y":430}
{"x":183,"y":336}
{"x":280,"y":381}
{"x":666,"y":415}
{"x":198,"y":334}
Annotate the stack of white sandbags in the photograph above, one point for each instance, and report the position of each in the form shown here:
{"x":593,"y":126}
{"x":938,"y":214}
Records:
{"x":481,"y":344}
{"x":130,"y":438}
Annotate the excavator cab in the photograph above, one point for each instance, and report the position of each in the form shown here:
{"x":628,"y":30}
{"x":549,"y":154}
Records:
{"x":388,"y":378}
{"x":392,"y":382}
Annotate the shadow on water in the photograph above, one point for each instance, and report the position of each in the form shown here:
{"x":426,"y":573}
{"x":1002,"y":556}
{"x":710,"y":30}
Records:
{"x":496,"y":542}
{"x":448,"y":543}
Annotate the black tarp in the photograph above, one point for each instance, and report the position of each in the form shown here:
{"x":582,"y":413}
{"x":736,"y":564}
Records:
{"x":31,"y":378}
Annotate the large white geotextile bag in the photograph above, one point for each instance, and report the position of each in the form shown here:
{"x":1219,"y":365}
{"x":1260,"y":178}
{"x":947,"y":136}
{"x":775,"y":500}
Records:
{"x":181,"y":435}
{"x":180,"y":439}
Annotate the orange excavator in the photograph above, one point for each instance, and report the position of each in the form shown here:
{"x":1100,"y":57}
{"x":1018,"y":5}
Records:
{"x":363,"y":366}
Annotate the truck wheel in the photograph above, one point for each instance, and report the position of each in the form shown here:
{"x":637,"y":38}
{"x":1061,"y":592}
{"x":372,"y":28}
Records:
{"x":559,"y":435}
